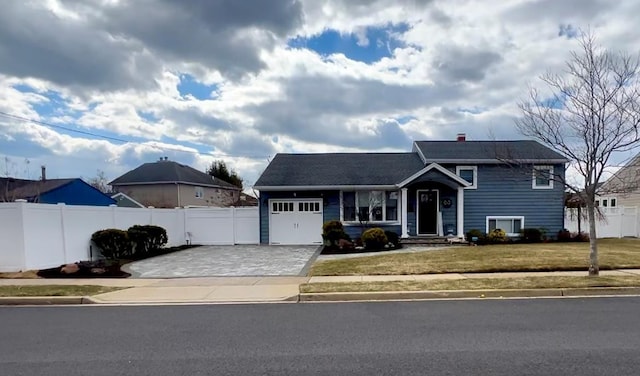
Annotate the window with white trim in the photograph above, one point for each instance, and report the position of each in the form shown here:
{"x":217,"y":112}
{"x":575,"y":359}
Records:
{"x":509,"y":224}
{"x":470,"y":174}
{"x":607,"y":202}
{"x":542,"y":177}
{"x":199,"y":192}
{"x":370,"y":206}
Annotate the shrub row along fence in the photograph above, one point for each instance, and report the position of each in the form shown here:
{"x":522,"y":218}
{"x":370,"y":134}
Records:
{"x":617,"y":222}
{"x":37,"y":236}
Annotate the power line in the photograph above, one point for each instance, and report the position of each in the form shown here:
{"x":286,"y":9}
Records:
{"x":116,"y":139}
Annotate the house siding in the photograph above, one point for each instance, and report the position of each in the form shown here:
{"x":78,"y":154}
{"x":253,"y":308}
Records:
{"x":507,"y":191}
{"x":76,"y":193}
{"x":174,"y":195}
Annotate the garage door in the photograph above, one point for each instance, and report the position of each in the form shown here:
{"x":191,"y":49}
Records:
{"x":295,"y":221}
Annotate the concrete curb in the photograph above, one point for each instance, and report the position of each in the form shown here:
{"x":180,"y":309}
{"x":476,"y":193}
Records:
{"x":466,"y":294}
{"x":43,"y":300}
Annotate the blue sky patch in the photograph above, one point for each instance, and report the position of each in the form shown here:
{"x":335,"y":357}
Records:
{"x":405,"y":119}
{"x":568,"y":31}
{"x":475,"y":110}
{"x":555,"y":103}
{"x":148,"y":116}
{"x":380,"y":43}
{"x":190,"y":86}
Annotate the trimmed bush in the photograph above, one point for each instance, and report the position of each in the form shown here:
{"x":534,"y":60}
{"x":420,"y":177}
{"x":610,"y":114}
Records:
{"x":374,"y":238}
{"x":564,"y":235}
{"x":393,"y":238}
{"x":113,"y":243}
{"x":580,"y":237}
{"x":333,"y":232}
{"x":475,"y":233}
{"x":147,"y":239}
{"x":532,"y":235}
{"x":497,"y":236}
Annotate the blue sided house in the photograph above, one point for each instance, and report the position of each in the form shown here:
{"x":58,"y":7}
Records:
{"x":53,"y":191}
{"x":440,"y":188}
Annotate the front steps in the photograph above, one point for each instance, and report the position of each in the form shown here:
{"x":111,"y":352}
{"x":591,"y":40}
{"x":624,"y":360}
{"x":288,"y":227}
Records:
{"x":432,"y":241}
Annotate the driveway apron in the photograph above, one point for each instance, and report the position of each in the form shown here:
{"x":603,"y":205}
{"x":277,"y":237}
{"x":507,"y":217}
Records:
{"x":236,"y":260}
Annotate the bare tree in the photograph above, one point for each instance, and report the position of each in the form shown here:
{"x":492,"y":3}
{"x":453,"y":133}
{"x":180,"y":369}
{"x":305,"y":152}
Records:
{"x":100,"y":182}
{"x":593,"y":112}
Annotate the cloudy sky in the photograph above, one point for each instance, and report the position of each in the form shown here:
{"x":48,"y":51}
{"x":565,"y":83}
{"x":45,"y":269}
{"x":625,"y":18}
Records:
{"x":111,"y":84}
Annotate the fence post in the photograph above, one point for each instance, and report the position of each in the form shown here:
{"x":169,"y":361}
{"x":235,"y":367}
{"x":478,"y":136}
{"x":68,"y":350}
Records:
{"x":235,"y":224}
{"x":62,"y":206}
{"x":23,"y":232}
{"x":113,"y":215}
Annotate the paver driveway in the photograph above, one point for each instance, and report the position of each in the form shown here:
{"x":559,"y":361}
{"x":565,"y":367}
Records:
{"x":220,"y":260}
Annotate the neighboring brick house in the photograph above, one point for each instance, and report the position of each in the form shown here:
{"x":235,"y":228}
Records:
{"x":168,"y":184}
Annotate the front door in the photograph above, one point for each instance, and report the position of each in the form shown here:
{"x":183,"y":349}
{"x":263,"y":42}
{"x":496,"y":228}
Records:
{"x":427,"y":205}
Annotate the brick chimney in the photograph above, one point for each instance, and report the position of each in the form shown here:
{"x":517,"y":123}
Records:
{"x":461,"y":137}
{"x":44,"y":173}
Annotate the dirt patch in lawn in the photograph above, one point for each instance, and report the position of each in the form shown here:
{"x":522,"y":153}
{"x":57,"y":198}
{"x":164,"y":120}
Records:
{"x":613,"y":253}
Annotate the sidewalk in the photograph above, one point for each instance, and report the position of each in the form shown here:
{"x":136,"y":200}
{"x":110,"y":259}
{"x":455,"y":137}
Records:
{"x":275,"y":289}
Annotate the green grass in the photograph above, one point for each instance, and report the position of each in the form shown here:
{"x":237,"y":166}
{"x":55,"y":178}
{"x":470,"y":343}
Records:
{"x":54,"y":290}
{"x":613,"y":253}
{"x":474,"y":284}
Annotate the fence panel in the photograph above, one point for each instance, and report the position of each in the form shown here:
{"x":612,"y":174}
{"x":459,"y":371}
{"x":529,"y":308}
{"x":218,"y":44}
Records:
{"x":614,"y":223}
{"x":247,"y":226}
{"x":12,"y":257}
{"x":36,"y":236}
{"x":210,"y":226}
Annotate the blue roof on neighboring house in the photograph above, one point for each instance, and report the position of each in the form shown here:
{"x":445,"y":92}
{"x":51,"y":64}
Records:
{"x":52,"y":191}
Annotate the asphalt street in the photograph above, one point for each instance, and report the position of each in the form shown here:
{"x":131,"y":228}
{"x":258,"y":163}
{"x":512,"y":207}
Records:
{"x":596,"y":336}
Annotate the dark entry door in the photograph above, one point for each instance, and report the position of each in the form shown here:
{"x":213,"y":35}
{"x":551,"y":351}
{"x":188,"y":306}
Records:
{"x":428,"y":212}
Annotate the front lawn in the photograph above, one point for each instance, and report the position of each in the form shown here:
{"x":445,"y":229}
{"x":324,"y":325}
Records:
{"x":474,"y":284}
{"x":613,"y":254}
{"x":55,"y":290}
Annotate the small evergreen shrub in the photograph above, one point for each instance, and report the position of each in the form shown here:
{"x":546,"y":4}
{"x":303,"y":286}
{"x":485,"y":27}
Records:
{"x":564,"y":235}
{"x":580,"y":237}
{"x":147,"y":239}
{"x":113,"y":243}
{"x":374,"y":238}
{"x":333,"y":232}
{"x":475,"y":233}
{"x":393,"y":238}
{"x":497,"y":236}
{"x":531,"y":235}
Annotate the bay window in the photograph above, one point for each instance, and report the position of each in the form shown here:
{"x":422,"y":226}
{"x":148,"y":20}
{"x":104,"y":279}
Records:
{"x":370,"y":206}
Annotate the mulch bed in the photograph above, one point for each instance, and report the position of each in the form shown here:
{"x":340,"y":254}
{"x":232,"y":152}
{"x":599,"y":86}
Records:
{"x":344,"y":251}
{"x":101,"y":268}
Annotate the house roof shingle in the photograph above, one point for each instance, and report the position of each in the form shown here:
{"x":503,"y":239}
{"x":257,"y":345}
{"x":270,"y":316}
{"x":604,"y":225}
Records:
{"x":339,"y":169}
{"x":169,"y":172}
{"x":26,"y":189}
{"x":487,"y":150}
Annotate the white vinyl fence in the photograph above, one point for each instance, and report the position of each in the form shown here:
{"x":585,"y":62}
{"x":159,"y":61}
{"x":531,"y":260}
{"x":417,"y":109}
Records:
{"x":37,"y":236}
{"x":617,"y":222}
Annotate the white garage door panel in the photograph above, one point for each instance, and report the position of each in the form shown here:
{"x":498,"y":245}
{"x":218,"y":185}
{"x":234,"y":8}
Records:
{"x":295,"y":221}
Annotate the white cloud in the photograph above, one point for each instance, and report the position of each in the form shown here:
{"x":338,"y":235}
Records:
{"x":462,"y":66}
